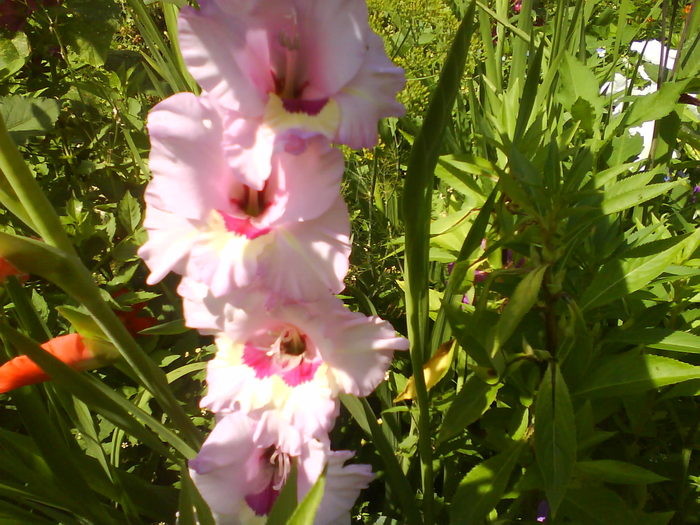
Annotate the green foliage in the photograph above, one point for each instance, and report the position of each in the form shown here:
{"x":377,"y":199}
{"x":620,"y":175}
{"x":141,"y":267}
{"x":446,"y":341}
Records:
{"x":566,"y":269}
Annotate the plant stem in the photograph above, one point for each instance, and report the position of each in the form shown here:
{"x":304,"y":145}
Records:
{"x":78,"y":282}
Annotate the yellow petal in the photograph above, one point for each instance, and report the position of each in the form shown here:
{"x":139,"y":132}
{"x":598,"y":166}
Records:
{"x":279,"y":119}
{"x":433,"y":371}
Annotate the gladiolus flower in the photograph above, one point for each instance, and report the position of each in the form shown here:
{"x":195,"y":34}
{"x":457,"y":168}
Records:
{"x":242,"y":467}
{"x":322,"y":342}
{"x":73,"y":349}
{"x":205,"y":221}
{"x":286,"y":363}
{"x":312,"y":67}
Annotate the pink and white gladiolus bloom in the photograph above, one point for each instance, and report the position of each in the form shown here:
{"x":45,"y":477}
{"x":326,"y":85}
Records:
{"x":301,"y":66}
{"x":206,"y":221}
{"x":290,"y":344}
{"x":242,"y":467}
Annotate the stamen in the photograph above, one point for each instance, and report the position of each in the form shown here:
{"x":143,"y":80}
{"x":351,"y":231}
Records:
{"x":292,"y":342}
{"x":290,"y":73}
{"x":254,"y":201}
{"x":281,"y":465}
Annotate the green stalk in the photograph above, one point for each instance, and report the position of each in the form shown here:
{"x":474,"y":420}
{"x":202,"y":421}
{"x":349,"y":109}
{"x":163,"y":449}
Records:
{"x":417,"y":210}
{"x":76,"y":280}
{"x":82,"y":287}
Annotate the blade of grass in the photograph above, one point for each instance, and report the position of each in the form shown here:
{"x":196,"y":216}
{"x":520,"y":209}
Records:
{"x":69,"y":273}
{"x":101,"y":398}
{"x":417,"y":210}
{"x":400,"y":487}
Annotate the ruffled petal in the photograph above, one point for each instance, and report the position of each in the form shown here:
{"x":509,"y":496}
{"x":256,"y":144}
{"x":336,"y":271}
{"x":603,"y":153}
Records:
{"x":308,"y":184}
{"x":358,"y":364}
{"x":370,"y":96}
{"x":222,"y":470}
{"x":248,"y":147}
{"x":186,"y":157}
{"x":343,"y":486}
{"x":227,"y":56}
{"x":330,"y":29}
{"x":170,"y":240}
{"x":308,"y":260}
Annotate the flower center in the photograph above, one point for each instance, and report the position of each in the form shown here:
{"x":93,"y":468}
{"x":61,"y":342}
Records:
{"x":249,"y":204}
{"x":279,"y":466}
{"x":291,"y":342}
{"x":288,"y":357}
{"x":253,"y":201}
{"x":289,"y":79}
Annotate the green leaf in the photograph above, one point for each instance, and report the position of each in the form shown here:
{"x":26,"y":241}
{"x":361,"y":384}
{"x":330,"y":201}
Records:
{"x":193,"y":510}
{"x":655,"y":105}
{"x":482,"y":488}
{"x":417,"y":206}
{"x":601,"y":178}
{"x":634,"y":372}
{"x":286,"y":501}
{"x":27,"y":117}
{"x":417,"y":200}
{"x":13,"y":54}
{"x":100,"y":398}
{"x":613,"y":471}
{"x":34,"y":257}
{"x":658,"y":338}
{"x":555,"y":436}
{"x":618,"y":278}
{"x":129,"y":212}
{"x":615,"y":202}
{"x":577,"y":82}
{"x":175,"y":327}
{"x":596,"y":506}
{"x":81,"y":322}
{"x":305,"y":512}
{"x":469,"y":404}
{"x":397,"y":481}
{"x":89,"y":30}
{"x":523,"y":299}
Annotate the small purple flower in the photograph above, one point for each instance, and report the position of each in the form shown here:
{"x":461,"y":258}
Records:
{"x":465,"y":299}
{"x":480,"y":275}
{"x":542,"y":511}
{"x":507,"y":257}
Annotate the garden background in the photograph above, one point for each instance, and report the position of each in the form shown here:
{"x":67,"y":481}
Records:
{"x":534,"y":239}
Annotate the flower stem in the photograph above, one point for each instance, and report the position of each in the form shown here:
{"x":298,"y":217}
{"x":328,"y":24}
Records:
{"x":78,"y":282}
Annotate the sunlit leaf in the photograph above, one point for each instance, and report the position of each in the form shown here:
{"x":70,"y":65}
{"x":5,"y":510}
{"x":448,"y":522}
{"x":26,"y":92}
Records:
{"x":482,"y":488}
{"x":634,"y":372}
{"x":471,"y":402}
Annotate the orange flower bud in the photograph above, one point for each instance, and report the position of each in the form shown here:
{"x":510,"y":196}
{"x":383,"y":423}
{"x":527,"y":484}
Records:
{"x":72,"y":349}
{"x":7,"y":269}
